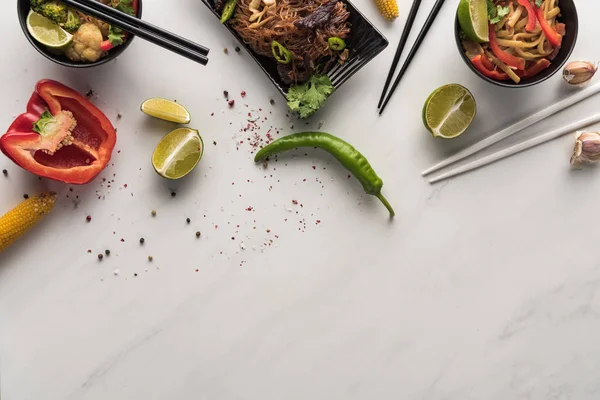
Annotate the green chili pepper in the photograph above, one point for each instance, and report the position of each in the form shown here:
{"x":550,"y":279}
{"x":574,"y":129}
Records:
{"x":347,"y":155}
{"x":281,"y":54}
{"x":228,"y":10}
{"x":336,"y":43}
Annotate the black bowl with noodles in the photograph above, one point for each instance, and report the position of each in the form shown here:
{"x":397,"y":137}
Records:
{"x":23,"y":9}
{"x":364,"y":43}
{"x":568,"y":16}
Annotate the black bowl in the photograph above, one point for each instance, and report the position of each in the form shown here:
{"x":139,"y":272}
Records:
{"x":365,"y":42}
{"x":23,"y":10}
{"x":568,"y":16}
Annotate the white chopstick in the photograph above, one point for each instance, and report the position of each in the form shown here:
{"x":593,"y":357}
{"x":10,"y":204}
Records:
{"x":518,"y":148}
{"x":517,"y":127}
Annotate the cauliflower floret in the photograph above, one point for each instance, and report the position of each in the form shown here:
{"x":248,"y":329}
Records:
{"x":86,"y":44}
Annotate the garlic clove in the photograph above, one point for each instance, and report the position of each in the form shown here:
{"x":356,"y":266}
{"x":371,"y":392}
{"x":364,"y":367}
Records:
{"x":579,"y":72}
{"x":587,"y":148}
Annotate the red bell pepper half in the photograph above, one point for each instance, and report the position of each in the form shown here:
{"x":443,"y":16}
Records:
{"x":62,"y":136}
{"x":531,"y":16}
{"x":554,"y":38}
{"x":505,"y":57}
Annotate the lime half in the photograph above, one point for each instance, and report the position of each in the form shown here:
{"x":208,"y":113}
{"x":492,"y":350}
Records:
{"x":167,"y":110}
{"x":473,"y":19}
{"x":449,"y":111}
{"x":47,"y":32}
{"x":178,"y":153}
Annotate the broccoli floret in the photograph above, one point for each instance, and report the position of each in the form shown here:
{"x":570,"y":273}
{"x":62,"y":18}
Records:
{"x":53,"y":10}
{"x":73,"y":21}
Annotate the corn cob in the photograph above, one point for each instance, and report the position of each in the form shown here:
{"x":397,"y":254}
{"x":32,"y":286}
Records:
{"x":387,"y":8}
{"x":17,"y":221}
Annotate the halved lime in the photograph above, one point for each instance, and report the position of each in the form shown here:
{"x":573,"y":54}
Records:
{"x":47,"y":32}
{"x":449,"y":111}
{"x":167,"y":110}
{"x":473,"y":19}
{"x":178,"y":153}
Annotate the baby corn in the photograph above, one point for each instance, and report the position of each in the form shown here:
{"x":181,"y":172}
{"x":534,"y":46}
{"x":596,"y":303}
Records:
{"x":17,"y":221}
{"x":387,"y":8}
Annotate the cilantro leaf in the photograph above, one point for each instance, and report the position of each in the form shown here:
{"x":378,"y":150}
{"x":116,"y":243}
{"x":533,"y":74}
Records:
{"x":115,"y":35}
{"x":307,"y":98}
{"x":539,"y":2}
{"x":125,"y":6}
{"x":496,"y":12}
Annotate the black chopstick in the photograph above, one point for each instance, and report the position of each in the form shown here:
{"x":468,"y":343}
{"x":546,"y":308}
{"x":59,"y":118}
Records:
{"x":142,"y":29}
{"x":148,"y":26}
{"x":409,"y":23}
{"x":434,"y":12}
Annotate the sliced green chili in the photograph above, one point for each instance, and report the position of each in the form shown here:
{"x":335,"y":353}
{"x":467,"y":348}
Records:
{"x":281,"y":54}
{"x":228,"y":10}
{"x":347,"y":155}
{"x":336,"y":43}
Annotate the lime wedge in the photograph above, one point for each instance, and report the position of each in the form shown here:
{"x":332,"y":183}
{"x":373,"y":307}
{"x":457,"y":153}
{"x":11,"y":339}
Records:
{"x":167,"y":110}
{"x":473,"y":19}
{"x":47,"y":32}
{"x":178,"y":153}
{"x":449,"y":111}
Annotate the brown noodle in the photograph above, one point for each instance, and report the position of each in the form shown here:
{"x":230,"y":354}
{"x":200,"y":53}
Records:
{"x":279,"y":24}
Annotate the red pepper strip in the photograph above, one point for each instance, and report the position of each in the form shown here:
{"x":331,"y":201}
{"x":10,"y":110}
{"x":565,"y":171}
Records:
{"x":479,"y":64}
{"x":535,"y":69}
{"x":93,"y":138}
{"x":505,"y":57}
{"x":553,"y":37}
{"x":530,"y":14}
{"x":487,"y":63}
{"x":106,"y":45}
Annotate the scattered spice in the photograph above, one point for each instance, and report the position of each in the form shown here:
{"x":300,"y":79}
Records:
{"x":173,"y":194}
{"x":226,"y":94}
{"x":119,"y":116}
{"x":25,"y":196}
{"x":188,"y":220}
{"x":135,"y":274}
{"x":88,"y":218}
{"x":237,"y":49}
{"x":153,"y":212}
{"x":150,"y":258}
{"x":225,"y":50}
{"x":4,"y":172}
{"x":100,"y":256}
{"x":142,"y":240}
{"x":243,"y":94}
{"x":90,"y":93}
{"x":272,"y":101}
{"x":231,"y":102}
{"x":215,"y":142}
{"x":198,"y":234}
{"x":107,"y":252}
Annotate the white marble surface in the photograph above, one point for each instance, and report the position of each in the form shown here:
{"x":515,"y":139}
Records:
{"x":484,"y":287}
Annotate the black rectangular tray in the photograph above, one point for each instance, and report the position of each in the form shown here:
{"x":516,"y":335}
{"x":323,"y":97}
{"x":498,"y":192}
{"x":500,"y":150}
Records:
{"x":364,"y":43}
